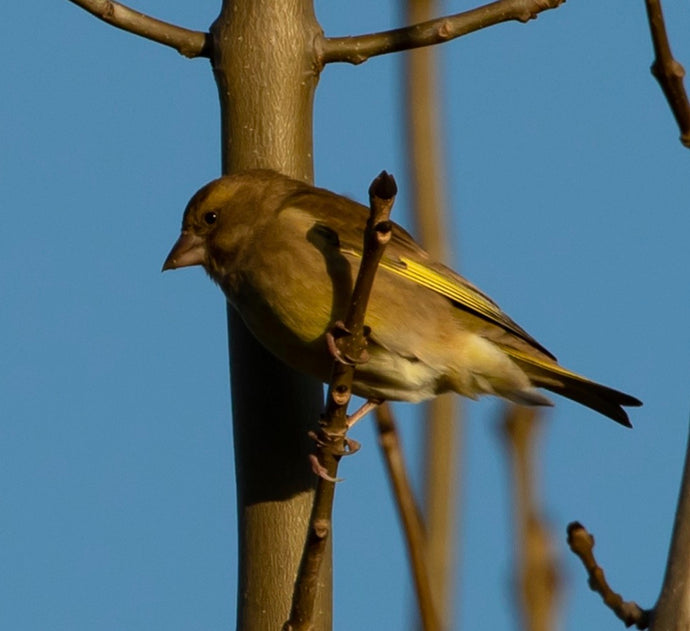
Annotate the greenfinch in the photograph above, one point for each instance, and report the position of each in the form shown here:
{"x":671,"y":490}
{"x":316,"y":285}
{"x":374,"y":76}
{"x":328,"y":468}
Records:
{"x":286,"y":255}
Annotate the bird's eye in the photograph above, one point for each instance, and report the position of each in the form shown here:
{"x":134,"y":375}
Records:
{"x":210,"y":218}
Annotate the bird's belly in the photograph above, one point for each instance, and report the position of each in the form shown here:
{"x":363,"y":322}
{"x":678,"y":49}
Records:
{"x":302,"y":345}
{"x":390,"y":376}
{"x":292,"y":330}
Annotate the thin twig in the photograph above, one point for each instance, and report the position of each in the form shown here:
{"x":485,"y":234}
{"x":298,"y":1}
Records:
{"x":537,"y":573}
{"x":185,"y":41}
{"x":331,"y":440}
{"x":582,"y":544}
{"x":668,"y":72}
{"x":413,"y":528}
{"x":359,"y":48}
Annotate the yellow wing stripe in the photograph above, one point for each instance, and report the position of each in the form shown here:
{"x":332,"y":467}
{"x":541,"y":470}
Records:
{"x":432,"y":279}
{"x":552,"y":367}
{"x":464,"y":295}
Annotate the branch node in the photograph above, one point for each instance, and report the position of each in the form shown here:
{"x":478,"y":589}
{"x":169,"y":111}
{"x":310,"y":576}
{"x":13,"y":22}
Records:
{"x":445,"y":30}
{"x":108,"y":10}
{"x":321,"y":528}
{"x":667,"y":71}
{"x":581,"y":543}
{"x":341,"y":394}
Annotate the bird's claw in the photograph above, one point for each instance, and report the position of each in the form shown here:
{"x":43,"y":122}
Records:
{"x":338,"y":331}
{"x":320,"y":470}
{"x":329,"y":442}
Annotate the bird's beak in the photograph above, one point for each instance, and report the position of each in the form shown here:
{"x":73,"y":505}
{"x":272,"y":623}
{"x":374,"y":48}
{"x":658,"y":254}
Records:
{"x":188,"y":250}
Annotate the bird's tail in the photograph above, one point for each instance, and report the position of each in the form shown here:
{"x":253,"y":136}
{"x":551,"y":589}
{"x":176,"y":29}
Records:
{"x":545,"y":373}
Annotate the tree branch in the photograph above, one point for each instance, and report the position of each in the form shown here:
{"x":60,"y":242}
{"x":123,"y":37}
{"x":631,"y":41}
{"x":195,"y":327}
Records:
{"x":672,"y":610}
{"x":349,"y":341}
{"x":582,"y":544}
{"x":443,"y":425}
{"x":413,"y":528}
{"x":359,"y":48}
{"x":185,"y":41}
{"x":537,"y":573}
{"x":668,"y":72}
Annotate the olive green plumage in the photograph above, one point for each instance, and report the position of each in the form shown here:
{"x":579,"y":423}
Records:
{"x":286,"y":255}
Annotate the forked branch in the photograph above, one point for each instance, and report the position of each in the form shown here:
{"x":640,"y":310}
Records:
{"x":185,"y":41}
{"x":359,"y":48}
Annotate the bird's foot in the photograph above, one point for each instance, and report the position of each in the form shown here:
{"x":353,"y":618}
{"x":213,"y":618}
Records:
{"x":337,"y":332}
{"x":335,"y":444}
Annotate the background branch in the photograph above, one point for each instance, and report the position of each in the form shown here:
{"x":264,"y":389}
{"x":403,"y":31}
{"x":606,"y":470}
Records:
{"x":331,"y":440}
{"x":668,"y":72}
{"x":359,"y":48}
{"x":582,"y":544}
{"x":185,"y":41}
{"x":537,"y":573}
{"x":413,"y":528}
{"x":442,"y":425}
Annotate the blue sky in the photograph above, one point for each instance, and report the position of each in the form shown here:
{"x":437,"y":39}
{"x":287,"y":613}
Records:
{"x":569,"y":194}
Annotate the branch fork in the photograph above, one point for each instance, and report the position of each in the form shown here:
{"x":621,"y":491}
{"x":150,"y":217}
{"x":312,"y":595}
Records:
{"x":353,"y":50}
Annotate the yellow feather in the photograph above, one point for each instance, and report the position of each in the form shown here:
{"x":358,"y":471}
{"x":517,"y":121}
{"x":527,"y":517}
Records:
{"x":455,"y":290}
{"x":427,"y":277}
{"x":551,"y":366}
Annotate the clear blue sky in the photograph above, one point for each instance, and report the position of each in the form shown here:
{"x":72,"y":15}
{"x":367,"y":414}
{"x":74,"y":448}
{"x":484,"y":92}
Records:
{"x":570,"y":201}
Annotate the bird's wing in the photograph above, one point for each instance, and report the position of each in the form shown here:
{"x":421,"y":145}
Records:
{"x":459,"y":291}
{"x":343,"y":220}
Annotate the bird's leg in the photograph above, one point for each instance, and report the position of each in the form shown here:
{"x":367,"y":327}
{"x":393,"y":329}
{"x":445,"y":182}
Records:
{"x":360,"y":413}
{"x":335,"y":441}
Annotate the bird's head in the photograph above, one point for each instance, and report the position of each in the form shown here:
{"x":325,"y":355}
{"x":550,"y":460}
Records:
{"x":219,"y":220}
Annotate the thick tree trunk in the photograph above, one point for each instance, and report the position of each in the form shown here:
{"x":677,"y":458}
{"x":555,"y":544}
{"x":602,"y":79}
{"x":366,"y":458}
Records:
{"x":266,"y":71}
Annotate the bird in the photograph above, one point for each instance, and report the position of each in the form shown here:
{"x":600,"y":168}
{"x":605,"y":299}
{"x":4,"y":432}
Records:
{"x":286,"y":255}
